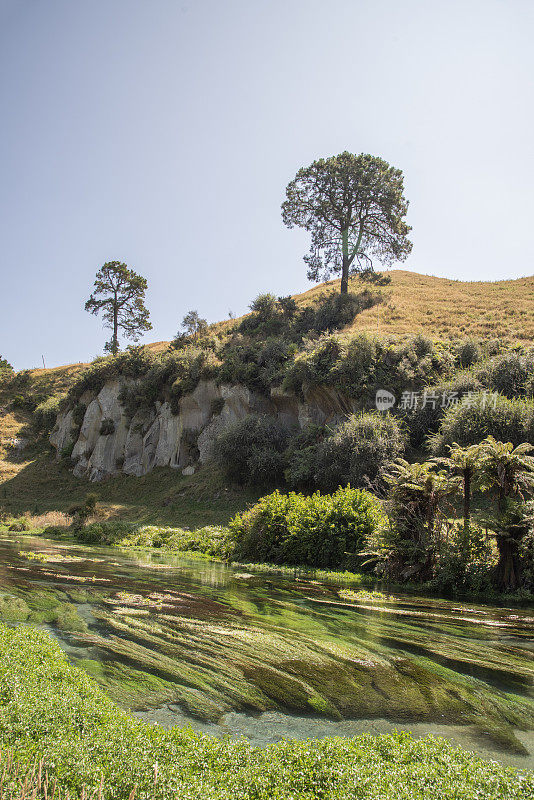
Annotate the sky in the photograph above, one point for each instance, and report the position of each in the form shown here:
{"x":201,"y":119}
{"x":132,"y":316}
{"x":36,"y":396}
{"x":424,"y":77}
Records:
{"x":162,"y":133}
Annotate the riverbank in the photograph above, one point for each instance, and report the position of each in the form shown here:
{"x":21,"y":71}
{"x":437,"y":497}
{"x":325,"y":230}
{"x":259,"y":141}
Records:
{"x":215,"y":542}
{"x":52,"y":710}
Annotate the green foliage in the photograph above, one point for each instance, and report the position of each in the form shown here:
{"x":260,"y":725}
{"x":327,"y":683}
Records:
{"x":45,"y":414}
{"x":78,"y":414}
{"x":216,"y":406}
{"x":149,"y":377}
{"x":464,"y":560}
{"x":133,"y":363}
{"x":317,"y":530}
{"x":282,"y":317}
{"x":354,"y":208}
{"x":471,"y":422}
{"x":80,"y":512}
{"x":424,"y":419}
{"x":378,"y":278}
{"x":301,"y":457}
{"x":119,"y":295}
{"x":360,"y":366}
{"x":213,"y":541}
{"x":107,"y":427}
{"x":19,"y":525}
{"x":6,"y":370}
{"x":258,"y":365}
{"x":251,"y":450}
{"x":468,"y":353}
{"x":405,"y":547}
{"x":193,"y":324}
{"x":510,"y":374}
{"x":51,"y":710}
{"x":356,"y":452}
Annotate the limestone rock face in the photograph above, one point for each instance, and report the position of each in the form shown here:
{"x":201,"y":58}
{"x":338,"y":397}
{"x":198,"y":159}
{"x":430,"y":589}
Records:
{"x":156,"y":437}
{"x":63,"y":434}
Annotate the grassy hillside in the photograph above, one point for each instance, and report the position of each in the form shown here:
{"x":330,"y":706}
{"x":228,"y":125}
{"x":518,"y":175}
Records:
{"x":447,"y":309}
{"x":440,"y":308}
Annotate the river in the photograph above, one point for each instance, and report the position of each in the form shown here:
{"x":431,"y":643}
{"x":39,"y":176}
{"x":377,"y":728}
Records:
{"x":190,"y":642}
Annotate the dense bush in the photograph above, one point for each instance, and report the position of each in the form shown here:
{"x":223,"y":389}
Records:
{"x":45,"y":414}
{"x":432,"y":403}
{"x":464,"y":560}
{"x":282,"y":317}
{"x":354,"y":453}
{"x":318,"y":530}
{"x":170,"y":377}
{"x":132,"y":363}
{"x":53,"y":711}
{"x":360,"y":366}
{"x":510,"y":374}
{"x":19,"y":525}
{"x":211,"y":540}
{"x":6,"y":370}
{"x":468,"y":353}
{"x":471,"y":422}
{"x":258,"y":365}
{"x":251,"y":450}
{"x":107,"y":427}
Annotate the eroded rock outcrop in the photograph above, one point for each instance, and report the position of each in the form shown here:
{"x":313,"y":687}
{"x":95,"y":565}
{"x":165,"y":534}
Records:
{"x":108,"y":441}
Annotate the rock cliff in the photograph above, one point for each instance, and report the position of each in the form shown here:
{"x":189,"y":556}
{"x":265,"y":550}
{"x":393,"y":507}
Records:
{"x":108,"y":441}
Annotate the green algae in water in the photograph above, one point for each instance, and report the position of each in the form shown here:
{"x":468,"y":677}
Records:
{"x":190,"y":636}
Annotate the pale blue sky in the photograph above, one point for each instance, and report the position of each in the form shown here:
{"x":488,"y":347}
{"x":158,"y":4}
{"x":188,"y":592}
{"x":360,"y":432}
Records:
{"x":163,"y":133}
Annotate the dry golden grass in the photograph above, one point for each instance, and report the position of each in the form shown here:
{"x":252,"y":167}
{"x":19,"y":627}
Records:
{"x":445,"y":309}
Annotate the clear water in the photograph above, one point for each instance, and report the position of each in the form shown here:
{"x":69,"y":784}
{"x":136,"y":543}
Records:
{"x":178,"y":641}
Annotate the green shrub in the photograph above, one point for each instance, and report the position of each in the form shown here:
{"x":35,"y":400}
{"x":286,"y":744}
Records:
{"x":251,"y":450}
{"x":216,"y":406}
{"x":464,"y":560}
{"x":80,"y":512}
{"x":468,"y":353}
{"x":425,"y":417}
{"x":318,"y":530}
{"x":107,"y":427}
{"x":510,"y":374}
{"x":211,"y":540}
{"x":45,"y":415}
{"x":132,"y":363}
{"x":359,"y":366}
{"x":357,"y":451}
{"x":168,"y":378}
{"x":256,"y":365}
{"x":301,"y":457}
{"x":481,"y":416}
{"x":78,"y":414}
{"x":6,"y":370}
{"x":66,"y":451}
{"x":338,"y":310}
{"x":19,"y":525}
{"x":282,"y":317}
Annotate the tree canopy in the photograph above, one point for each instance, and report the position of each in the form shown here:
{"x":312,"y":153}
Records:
{"x":354,"y":208}
{"x":193,"y":324}
{"x":5,"y":366}
{"x":119,"y":295}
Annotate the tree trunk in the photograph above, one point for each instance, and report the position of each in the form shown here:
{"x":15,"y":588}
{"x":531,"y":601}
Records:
{"x":507,"y":571}
{"x":115,"y":340}
{"x":345,"y":265}
{"x":467,"y":497}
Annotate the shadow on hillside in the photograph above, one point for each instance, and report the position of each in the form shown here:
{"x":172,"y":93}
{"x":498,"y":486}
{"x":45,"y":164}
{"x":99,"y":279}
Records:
{"x":163,"y":496}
